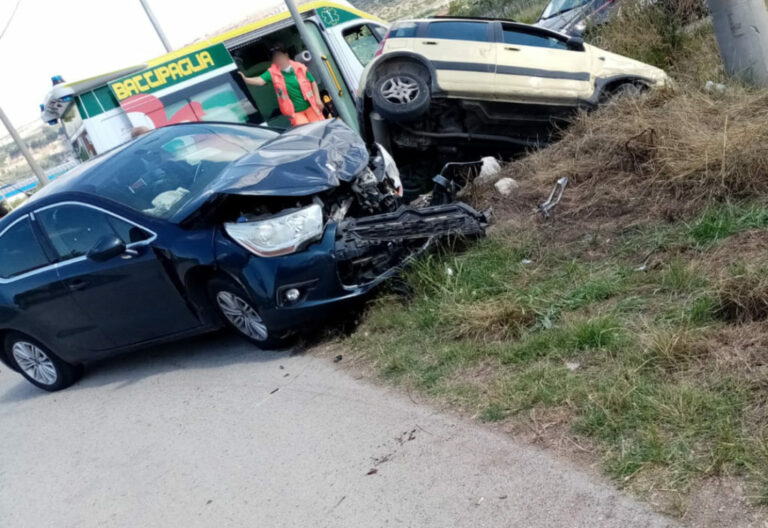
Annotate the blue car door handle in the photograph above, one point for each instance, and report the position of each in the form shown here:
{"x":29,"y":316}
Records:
{"x":77,"y":284}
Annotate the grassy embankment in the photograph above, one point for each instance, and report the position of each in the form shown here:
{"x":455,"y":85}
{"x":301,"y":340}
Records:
{"x":633,"y":325}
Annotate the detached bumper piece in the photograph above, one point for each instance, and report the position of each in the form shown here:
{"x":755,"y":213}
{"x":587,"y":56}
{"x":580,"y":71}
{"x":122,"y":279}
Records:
{"x":376,"y":247}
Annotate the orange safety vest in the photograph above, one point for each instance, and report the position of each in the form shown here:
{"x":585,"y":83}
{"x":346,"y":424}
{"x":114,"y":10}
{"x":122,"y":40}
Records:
{"x":283,"y":100}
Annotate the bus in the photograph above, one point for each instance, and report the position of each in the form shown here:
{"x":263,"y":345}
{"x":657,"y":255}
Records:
{"x":200,"y":82}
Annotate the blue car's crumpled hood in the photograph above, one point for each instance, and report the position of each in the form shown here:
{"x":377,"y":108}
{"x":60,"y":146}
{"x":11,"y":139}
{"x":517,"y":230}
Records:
{"x":302,"y":161}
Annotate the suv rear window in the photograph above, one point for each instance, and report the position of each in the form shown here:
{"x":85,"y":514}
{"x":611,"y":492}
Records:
{"x":20,"y":251}
{"x":403,"y":30}
{"x":475,"y":31}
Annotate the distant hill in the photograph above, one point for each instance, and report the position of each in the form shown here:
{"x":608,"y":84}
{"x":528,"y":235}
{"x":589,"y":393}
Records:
{"x":393,"y":9}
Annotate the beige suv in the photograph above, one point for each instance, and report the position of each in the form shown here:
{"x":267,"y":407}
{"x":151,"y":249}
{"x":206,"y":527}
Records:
{"x":455,"y":82}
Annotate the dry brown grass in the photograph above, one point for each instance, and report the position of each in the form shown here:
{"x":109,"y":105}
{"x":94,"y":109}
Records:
{"x":491,"y":320}
{"x":667,"y":152}
{"x":675,"y":348}
{"x":743,"y":295}
{"x":741,"y":350}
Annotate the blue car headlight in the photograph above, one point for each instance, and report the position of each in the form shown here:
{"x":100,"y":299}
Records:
{"x":278,"y":235}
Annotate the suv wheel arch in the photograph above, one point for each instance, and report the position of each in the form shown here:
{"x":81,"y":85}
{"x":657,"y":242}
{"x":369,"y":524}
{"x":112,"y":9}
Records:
{"x":404,"y":61}
{"x":605,"y":88}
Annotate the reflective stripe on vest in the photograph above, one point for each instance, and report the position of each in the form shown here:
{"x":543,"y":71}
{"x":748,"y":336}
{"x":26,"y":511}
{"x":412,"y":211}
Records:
{"x":283,"y":100}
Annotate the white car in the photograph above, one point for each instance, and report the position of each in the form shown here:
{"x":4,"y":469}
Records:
{"x":448,"y":82}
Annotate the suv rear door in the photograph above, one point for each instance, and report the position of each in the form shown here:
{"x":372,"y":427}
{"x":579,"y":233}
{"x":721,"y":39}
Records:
{"x":537,"y":66}
{"x":463,"y":53}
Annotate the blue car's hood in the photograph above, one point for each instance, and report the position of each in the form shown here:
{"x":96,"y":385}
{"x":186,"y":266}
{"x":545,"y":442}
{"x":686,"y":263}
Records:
{"x":302,"y":161}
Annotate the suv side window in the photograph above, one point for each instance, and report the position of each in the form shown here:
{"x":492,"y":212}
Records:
{"x":20,"y":250}
{"x":74,"y":229}
{"x":403,"y":30}
{"x":475,"y":31}
{"x":516,"y":36}
{"x":364,"y":41}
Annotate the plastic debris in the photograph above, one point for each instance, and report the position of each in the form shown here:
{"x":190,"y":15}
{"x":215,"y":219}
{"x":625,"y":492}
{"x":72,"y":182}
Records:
{"x":489,"y":170}
{"x":505,"y":186}
{"x":572,"y":365}
{"x":712,"y":87}
{"x":554,"y":197}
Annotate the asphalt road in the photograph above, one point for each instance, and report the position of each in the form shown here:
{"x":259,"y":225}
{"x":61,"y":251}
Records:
{"x":213,"y":433}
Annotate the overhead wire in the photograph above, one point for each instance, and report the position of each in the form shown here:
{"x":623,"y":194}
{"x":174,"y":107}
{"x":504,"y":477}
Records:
{"x":13,"y":14}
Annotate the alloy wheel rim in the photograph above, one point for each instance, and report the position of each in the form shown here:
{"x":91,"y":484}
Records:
{"x":35,"y":363}
{"x":242,"y":315}
{"x":400,"y":90}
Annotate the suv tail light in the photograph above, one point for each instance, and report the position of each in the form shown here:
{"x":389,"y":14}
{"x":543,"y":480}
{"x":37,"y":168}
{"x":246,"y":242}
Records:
{"x":380,"y":49}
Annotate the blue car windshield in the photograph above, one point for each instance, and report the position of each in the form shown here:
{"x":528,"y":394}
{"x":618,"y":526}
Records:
{"x":162,"y":172}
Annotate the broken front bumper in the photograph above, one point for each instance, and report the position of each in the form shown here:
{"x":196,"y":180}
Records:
{"x":351,"y":260}
{"x":373,"y":247}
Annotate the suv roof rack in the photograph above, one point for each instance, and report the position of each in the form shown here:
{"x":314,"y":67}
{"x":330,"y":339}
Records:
{"x":487,"y":19}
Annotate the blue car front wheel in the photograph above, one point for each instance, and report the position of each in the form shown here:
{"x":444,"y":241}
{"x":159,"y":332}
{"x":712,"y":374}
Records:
{"x":240,"y":313}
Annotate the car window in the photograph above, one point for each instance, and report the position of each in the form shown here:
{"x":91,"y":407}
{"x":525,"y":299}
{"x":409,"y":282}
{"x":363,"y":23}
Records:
{"x":379,"y":31}
{"x":517,"y":37}
{"x":163,"y":171}
{"x":20,"y":250}
{"x":363,"y":41}
{"x":476,"y":31}
{"x":75,"y":229}
{"x":403,"y":30}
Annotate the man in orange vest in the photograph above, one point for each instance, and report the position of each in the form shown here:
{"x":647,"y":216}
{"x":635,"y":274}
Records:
{"x":296,"y":89}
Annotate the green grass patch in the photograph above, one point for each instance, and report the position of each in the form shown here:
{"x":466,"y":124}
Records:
{"x":514,"y":324}
{"x":721,"y":221}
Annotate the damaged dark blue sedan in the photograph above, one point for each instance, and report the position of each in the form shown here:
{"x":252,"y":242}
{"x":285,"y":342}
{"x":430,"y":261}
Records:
{"x":194,"y":226}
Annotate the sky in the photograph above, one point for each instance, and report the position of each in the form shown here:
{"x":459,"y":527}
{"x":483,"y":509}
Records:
{"x":78,"y":39}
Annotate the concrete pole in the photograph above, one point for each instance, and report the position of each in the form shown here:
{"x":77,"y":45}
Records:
{"x":741,"y":28}
{"x":317,"y":54}
{"x":156,"y":25}
{"x":36,"y":168}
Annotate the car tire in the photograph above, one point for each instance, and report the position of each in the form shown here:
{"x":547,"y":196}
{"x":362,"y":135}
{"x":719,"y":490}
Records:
{"x":38,"y":364}
{"x":622,"y":91}
{"x":238,"y":311}
{"x":401,"y":97}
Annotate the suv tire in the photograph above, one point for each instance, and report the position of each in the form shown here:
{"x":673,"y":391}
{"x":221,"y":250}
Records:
{"x":401,"y":97}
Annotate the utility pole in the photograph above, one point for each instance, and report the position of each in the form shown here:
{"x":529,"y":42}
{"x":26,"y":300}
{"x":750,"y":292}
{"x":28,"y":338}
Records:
{"x":36,"y":168}
{"x":156,"y":25}
{"x":741,"y":28}
{"x":317,"y":56}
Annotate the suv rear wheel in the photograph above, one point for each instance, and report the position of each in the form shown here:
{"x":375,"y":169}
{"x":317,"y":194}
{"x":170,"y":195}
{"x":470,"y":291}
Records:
{"x":401,"y":96}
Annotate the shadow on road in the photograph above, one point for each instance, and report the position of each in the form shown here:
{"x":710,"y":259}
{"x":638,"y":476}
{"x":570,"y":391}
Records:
{"x":207,"y":352}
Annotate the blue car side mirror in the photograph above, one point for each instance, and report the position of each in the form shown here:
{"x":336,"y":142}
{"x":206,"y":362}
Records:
{"x":108,"y":247}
